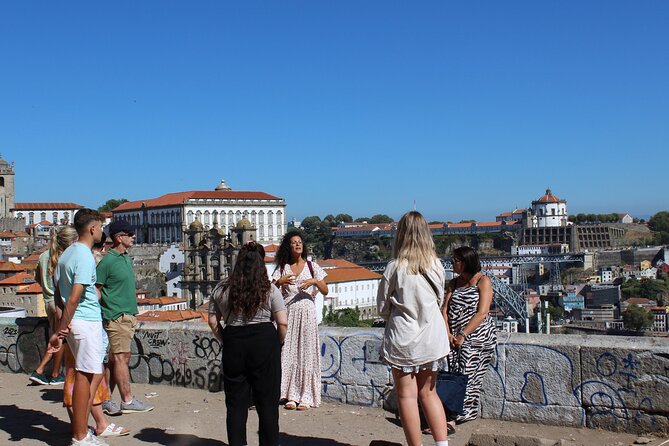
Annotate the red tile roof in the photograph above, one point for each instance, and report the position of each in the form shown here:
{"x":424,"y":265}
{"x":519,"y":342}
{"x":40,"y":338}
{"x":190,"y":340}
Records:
{"x":165,"y":300}
{"x":548,"y":197}
{"x":11,"y":266}
{"x":45,"y":206}
{"x":172,"y":316}
{"x":18,"y":279}
{"x":179,"y":198}
{"x":33,"y":288}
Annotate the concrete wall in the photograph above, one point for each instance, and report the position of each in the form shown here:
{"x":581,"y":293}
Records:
{"x":609,"y":382}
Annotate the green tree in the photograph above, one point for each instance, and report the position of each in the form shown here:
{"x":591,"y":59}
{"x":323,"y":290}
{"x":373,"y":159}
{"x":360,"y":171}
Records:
{"x":659,"y":221}
{"x":361,"y":219}
{"x":343,"y":217}
{"x":636,"y":318}
{"x":380,"y":218}
{"x":112,"y":203}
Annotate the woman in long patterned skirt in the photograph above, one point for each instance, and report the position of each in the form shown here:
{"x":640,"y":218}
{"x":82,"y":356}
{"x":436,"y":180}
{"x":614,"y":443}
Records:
{"x":299,"y":280}
{"x":471,"y":329}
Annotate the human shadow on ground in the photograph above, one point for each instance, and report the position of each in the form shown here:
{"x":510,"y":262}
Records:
{"x":164,"y":438}
{"x":28,"y":424}
{"x":53,"y":395}
{"x":297,"y":440}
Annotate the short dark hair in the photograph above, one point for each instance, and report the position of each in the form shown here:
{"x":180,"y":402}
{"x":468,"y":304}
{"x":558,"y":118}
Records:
{"x":469,"y":257}
{"x":85,"y":217}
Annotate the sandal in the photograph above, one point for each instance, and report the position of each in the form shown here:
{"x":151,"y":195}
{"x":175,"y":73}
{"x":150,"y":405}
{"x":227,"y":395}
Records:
{"x":114,"y":430}
{"x":449,"y":427}
{"x":290,"y":405}
{"x":302,"y":406}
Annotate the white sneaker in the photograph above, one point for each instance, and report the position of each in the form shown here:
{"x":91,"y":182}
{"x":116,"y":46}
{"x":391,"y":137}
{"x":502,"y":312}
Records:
{"x":89,"y":440}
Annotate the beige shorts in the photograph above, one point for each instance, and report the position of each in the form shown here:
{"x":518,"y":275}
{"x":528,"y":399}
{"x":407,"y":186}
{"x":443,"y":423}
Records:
{"x":121,"y":331}
{"x":52,"y":316}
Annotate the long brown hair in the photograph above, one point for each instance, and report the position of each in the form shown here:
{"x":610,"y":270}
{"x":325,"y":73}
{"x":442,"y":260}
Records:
{"x":249,"y":285}
{"x":283,"y":253}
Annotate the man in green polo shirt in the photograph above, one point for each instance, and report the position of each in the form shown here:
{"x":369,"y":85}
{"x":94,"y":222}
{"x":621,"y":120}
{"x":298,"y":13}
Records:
{"x":116,"y":282}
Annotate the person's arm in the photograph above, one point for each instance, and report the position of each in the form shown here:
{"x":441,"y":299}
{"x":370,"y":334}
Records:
{"x":383,"y":303}
{"x":320,"y":284}
{"x":281,"y":319}
{"x":56,"y":339}
{"x":448,"y":292}
{"x":485,"y":300}
{"x":215,"y":325}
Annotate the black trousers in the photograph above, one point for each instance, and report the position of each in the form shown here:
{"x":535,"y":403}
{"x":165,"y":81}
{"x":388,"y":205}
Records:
{"x":252,"y":366}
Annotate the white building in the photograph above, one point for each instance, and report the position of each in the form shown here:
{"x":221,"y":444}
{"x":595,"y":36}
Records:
{"x":171,"y":263}
{"x":350,"y":286}
{"x":549,"y":211}
{"x":625,"y":218}
{"x":163,"y":219}
{"x":57,"y":213}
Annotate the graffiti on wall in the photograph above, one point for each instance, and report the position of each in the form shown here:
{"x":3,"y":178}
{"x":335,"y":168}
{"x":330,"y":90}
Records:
{"x":22,"y":347}
{"x":352,"y":371}
{"x":189,"y":360}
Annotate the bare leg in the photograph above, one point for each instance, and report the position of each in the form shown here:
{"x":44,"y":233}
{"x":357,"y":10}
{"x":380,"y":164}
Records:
{"x":407,"y":399}
{"x":432,"y":406}
{"x":57,"y":362}
{"x":45,"y":360}
{"x":109,"y":373}
{"x":121,"y":375}
{"x":101,"y":422}
{"x":81,"y":400}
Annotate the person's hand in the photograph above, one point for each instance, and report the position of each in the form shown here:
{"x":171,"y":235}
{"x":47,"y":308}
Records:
{"x":458,"y":340}
{"x":288,"y":279}
{"x":55,"y":343}
{"x":307,"y":283}
{"x":451,"y":340}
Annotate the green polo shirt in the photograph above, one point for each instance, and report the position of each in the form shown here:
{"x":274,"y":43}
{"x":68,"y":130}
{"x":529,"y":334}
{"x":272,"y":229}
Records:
{"x":117,"y":279}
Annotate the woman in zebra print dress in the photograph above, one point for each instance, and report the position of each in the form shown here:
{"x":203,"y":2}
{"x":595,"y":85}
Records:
{"x":471,"y":330}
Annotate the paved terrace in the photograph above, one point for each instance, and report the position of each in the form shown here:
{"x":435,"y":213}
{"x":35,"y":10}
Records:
{"x":33,"y":415}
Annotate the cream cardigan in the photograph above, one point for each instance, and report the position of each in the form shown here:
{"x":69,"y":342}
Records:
{"x":415,"y":331}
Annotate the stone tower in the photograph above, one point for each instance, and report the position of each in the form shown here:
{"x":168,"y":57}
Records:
{"x":6,"y":188}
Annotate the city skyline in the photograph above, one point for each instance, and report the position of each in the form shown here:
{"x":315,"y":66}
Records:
{"x":466,"y":110}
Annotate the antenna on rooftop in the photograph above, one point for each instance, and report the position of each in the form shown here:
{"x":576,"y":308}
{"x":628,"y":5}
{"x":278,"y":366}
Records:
{"x":414,"y":204}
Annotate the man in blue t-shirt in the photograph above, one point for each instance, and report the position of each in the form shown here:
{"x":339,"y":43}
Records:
{"x":81,"y":321}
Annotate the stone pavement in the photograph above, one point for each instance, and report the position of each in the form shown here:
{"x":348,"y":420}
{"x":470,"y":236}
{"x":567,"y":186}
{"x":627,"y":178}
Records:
{"x":33,"y":415}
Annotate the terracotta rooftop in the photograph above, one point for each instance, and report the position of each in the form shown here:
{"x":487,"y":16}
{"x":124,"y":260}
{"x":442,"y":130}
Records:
{"x":18,"y":279}
{"x":180,"y":198}
{"x":33,"y":288}
{"x":164,"y":300}
{"x":11,"y":266}
{"x":548,"y":197}
{"x":45,"y":206}
{"x":172,"y":316}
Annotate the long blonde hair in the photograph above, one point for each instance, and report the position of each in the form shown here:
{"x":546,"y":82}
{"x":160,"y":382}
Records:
{"x":414,"y":245}
{"x":60,"y":241}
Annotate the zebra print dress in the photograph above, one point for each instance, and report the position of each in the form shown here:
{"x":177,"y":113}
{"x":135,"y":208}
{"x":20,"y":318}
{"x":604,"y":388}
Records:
{"x":477,"y":351}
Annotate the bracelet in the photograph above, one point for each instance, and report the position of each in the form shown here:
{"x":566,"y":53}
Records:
{"x":462,"y":333}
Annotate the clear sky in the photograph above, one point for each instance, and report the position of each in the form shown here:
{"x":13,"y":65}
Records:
{"x":469,"y":108}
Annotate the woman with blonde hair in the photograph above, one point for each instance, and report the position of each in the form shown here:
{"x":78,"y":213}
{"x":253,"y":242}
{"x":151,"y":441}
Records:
{"x":415,"y":341}
{"x":48,"y":260}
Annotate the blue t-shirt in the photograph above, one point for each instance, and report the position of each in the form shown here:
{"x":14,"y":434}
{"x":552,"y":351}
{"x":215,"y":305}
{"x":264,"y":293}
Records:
{"x":77,"y":266}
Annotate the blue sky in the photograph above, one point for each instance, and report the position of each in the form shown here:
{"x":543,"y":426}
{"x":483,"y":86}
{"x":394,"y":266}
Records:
{"x":468,"y":108}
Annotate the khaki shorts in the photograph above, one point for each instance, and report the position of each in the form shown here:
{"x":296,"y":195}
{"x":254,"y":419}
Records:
{"x":52,"y":316}
{"x":121,"y":331}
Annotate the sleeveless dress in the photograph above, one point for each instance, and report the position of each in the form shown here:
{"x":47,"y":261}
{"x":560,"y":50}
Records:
{"x":476,"y":352}
{"x":300,"y":355}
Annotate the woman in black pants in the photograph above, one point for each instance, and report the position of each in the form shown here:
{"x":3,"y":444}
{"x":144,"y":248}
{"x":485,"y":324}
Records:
{"x":241,"y":315}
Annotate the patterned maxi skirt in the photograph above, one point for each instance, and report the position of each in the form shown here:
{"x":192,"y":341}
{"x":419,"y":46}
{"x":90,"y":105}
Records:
{"x":300,"y":358}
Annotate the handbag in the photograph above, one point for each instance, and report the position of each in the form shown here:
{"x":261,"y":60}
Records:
{"x":451,"y":386}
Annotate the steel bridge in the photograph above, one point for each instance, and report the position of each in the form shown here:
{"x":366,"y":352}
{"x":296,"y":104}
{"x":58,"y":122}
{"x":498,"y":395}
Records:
{"x":506,"y":298}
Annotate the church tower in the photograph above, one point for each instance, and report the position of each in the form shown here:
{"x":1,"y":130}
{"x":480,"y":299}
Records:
{"x":6,"y":188}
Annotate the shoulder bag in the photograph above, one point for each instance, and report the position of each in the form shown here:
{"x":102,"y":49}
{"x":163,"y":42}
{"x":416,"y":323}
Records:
{"x":451,"y":385}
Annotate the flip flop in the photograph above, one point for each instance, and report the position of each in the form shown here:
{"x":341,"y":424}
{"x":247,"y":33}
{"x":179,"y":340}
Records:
{"x":113,"y":430}
{"x":449,"y":427}
{"x":290,"y":405}
{"x":302,"y":407}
